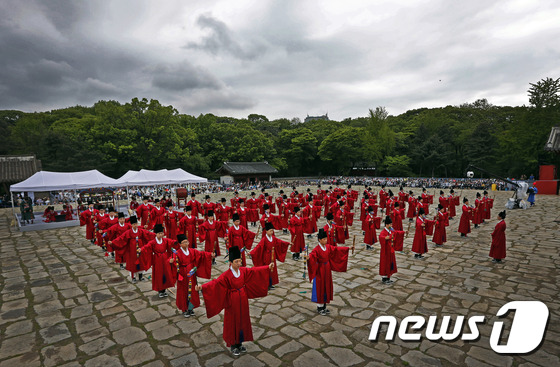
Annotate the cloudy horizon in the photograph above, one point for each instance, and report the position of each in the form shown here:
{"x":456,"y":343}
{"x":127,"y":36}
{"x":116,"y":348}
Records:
{"x":281,"y":59}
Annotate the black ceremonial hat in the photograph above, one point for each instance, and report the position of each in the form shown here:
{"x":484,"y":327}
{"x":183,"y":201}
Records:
{"x":234,"y":253}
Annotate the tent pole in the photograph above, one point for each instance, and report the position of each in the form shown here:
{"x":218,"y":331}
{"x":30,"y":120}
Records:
{"x":76,"y":202}
{"x":127,"y":200}
{"x":14,"y":209}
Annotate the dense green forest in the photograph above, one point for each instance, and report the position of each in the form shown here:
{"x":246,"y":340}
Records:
{"x":440,"y":142}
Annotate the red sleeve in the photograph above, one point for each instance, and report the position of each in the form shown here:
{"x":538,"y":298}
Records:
{"x":215,"y":295}
{"x":257,"y":253}
{"x":120,"y":241}
{"x":312,"y":265}
{"x":256,"y":281}
{"x":281,"y":248}
{"x":203,"y":264}
{"x":248,"y":239}
{"x":338,"y":257}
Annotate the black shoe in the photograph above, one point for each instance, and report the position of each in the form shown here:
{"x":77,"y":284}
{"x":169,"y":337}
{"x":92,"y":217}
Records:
{"x":140,"y":276}
{"x":242,"y":349}
{"x":161,"y":295}
{"x":213,"y":261}
{"x":235,"y":351}
{"x":122,"y":265}
{"x":186,"y":314}
{"x":113,"y":256}
{"x":191,"y":312}
{"x":476,"y":226}
{"x":165,"y":294}
{"x":368,"y":247}
{"x":133,"y":279}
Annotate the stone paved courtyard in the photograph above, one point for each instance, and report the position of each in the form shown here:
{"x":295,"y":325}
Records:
{"x":64,"y":304}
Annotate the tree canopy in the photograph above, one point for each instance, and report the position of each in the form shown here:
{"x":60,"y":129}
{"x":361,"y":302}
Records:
{"x":441,"y":142}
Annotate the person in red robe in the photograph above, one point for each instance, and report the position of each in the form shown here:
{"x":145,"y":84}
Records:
{"x":208,"y":233}
{"x":196,"y":208}
{"x":133,"y":205}
{"x":440,"y":235}
{"x":110,"y":220}
{"x":67,"y":212}
{"x":231,"y":292}
{"x":388,"y":238}
{"x":269,"y":218}
{"x":114,"y":232}
{"x":159,"y":250}
{"x":131,"y":243}
{"x":296,"y":230}
{"x":156,"y":215}
{"x":253,"y":209}
{"x":332,"y":230}
{"x":241,"y":237}
{"x":143,"y":212}
{"x":320,"y":264}
{"x":453,"y":202}
{"x":425,"y":201}
{"x":465,"y":222}
{"x":242,"y":212}
{"x":268,"y":250}
{"x":99,"y":226}
{"x":188,"y":264}
{"x":310,"y":212}
{"x":488,"y":203}
{"x":382,"y":198}
{"x":412,"y":205}
{"x":170,"y":219}
{"x":478,"y":212}
{"x":420,"y":243}
{"x":208,"y":206}
{"x":188,"y":226}
{"x":498,"y":247}
{"x":86,"y":219}
{"x":397,"y":215}
{"x":371,"y":224}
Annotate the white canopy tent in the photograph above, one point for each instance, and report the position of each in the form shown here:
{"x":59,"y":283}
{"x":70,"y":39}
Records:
{"x":52,"y":181}
{"x":146,"y":177}
{"x":55,"y":181}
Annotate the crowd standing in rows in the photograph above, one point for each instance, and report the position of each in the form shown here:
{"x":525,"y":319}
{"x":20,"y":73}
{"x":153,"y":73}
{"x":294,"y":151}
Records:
{"x":159,"y":236}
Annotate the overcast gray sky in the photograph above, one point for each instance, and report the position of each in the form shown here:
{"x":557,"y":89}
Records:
{"x":277,"y":58}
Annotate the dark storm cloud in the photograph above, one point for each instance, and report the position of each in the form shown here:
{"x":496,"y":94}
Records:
{"x":183,"y":76}
{"x":221,"y":39}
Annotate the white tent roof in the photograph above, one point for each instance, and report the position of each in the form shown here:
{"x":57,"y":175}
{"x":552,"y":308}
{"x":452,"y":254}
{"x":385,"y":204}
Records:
{"x":51,"y":181}
{"x":146,"y":177}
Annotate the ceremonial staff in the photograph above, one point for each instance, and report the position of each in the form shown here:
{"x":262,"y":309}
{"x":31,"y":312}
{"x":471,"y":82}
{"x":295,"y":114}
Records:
{"x":353,"y":244}
{"x":272,"y":257}
{"x":305,"y":259}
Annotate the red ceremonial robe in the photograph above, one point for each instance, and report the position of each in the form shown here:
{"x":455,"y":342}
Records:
{"x":498,"y":247}
{"x":208,"y":233}
{"x":222,"y":212}
{"x":242,"y":238}
{"x":296,"y":229}
{"x":130,"y":242}
{"x":160,"y":252}
{"x":196,"y":207}
{"x":370,"y":236}
{"x":262,"y":254}
{"x":156,"y":216}
{"x":187,"y":226}
{"x":387,"y":259}
{"x":397,"y":217}
{"x":268,"y":218}
{"x":426,"y":203}
{"x":382,"y":199}
{"x":242,"y":212}
{"x":464,"y":223}
{"x":108,"y":222}
{"x":440,"y":236}
{"x":321,"y":263}
{"x":420,"y":244}
{"x":206,"y":206}
{"x":186,"y":261}
{"x":232,"y":294}
{"x":143,"y":212}
{"x":452,"y":210}
{"x":310,"y":226}
{"x":170,"y":218}
{"x":99,"y":228}
{"x":114,"y":232}
{"x":412,"y":203}
{"x":331,"y":230}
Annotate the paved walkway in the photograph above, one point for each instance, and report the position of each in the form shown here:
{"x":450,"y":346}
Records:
{"x":64,"y":304}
